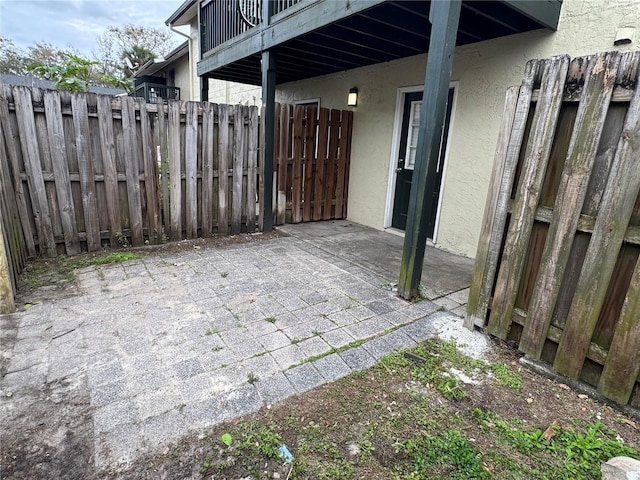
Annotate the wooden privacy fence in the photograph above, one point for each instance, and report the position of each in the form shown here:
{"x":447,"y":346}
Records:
{"x":557,"y":266}
{"x":312,"y":155}
{"x":89,"y":171}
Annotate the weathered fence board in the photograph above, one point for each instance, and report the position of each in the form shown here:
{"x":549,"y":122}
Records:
{"x":82,"y":172}
{"x":623,"y":187}
{"x":33,"y":166}
{"x":567,"y":288}
{"x":544,"y":122}
{"x":252,"y":170}
{"x":90,"y":171}
{"x":601,"y":72}
{"x":10,"y":141}
{"x":223,"y":169}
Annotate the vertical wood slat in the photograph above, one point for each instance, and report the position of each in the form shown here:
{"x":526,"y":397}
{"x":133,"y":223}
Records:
{"x":223,"y":169}
{"x":623,"y":187}
{"x":298,"y":141}
{"x":208,"y":119}
{"x":341,"y":178}
{"x":514,"y":121}
{"x":252,"y":160}
{"x":163,"y":142}
{"x":35,"y":180}
{"x":14,"y":252}
{"x":592,"y":111}
{"x":175,"y":173}
{"x":320,"y":181}
{"x":309,"y":154}
{"x":191,"y":167}
{"x":261,"y":171}
{"x":11,"y":142}
{"x":85,"y":166}
{"x":238,"y":163}
{"x":537,"y":153}
{"x":330,"y":191}
{"x":16,"y":241}
{"x":7,"y":304}
{"x":132,"y":170}
{"x":282,"y":158}
{"x":55,"y":133}
{"x":150,"y":165}
{"x":622,"y":366}
{"x":347,"y":154}
{"x":105,"y":126}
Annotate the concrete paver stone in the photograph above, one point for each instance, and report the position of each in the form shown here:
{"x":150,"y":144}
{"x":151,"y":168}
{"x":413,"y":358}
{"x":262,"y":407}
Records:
{"x":165,"y":345}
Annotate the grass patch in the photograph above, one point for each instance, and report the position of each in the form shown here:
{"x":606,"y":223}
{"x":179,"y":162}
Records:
{"x":270,"y":319}
{"x":46,"y":272}
{"x":410,"y":417}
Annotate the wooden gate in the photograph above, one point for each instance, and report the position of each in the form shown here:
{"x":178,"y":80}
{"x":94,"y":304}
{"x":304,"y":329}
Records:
{"x":312,"y":154}
{"x":557,"y":266}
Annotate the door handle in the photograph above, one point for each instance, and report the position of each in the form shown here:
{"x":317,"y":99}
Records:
{"x":398,"y":170}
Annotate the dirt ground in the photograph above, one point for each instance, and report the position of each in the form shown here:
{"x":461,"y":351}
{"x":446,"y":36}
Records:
{"x":358,"y":427}
{"x":352,"y":429}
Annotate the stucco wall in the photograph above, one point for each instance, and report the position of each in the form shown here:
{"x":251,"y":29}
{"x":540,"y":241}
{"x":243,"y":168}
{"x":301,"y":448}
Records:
{"x":483,"y":71}
{"x":220,"y":91}
{"x":183,"y":77}
{"x":231,"y":93}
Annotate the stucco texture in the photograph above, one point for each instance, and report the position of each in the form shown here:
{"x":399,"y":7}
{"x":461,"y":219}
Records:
{"x":482,"y":73}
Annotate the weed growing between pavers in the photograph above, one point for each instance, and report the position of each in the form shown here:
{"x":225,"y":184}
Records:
{"x":415,"y":417}
{"x":36,"y":275}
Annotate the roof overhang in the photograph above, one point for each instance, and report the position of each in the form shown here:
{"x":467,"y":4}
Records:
{"x":321,"y":38}
{"x":157,"y":64}
{"x":184,"y":14}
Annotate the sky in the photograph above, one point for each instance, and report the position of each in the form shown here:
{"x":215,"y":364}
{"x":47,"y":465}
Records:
{"x":77,"y":23}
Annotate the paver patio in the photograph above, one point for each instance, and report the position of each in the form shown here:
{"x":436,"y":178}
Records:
{"x":164,"y":345}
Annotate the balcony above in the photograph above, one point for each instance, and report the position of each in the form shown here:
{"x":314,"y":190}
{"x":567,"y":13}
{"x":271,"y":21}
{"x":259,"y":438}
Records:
{"x":151,"y":92}
{"x":318,"y":37}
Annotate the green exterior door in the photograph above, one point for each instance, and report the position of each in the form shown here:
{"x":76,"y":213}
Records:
{"x":406,"y":161}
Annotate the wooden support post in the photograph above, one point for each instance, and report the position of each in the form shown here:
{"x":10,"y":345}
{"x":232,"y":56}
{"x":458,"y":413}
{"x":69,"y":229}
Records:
{"x":268,"y":102}
{"x":444,"y":17}
{"x":7,"y":304}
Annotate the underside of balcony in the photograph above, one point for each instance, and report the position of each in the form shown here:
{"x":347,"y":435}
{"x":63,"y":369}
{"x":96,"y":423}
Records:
{"x":322,"y":37}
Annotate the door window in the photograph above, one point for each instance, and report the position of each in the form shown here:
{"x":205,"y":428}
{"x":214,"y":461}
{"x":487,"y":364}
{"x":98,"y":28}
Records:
{"x":412,"y":135}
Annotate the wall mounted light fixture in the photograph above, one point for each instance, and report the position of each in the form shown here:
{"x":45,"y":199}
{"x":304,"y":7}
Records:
{"x":352,"y":99}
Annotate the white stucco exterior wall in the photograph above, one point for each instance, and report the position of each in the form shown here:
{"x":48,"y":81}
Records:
{"x":483,"y":72}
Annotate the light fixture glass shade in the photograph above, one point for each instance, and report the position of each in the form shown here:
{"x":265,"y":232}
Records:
{"x":352,"y":99}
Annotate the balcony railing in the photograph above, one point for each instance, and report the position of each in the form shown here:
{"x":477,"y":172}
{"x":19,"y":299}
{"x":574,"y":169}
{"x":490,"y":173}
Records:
{"x":222,"y":20}
{"x":151,"y":92}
